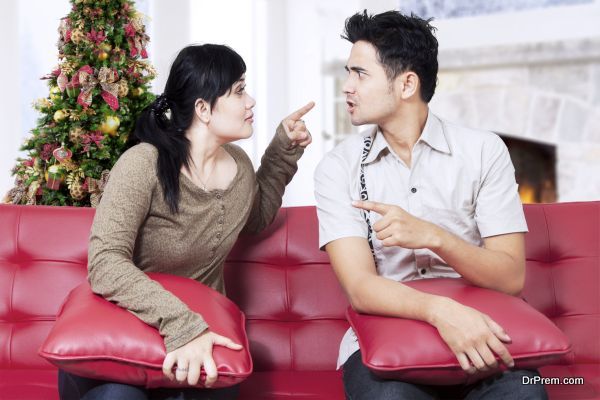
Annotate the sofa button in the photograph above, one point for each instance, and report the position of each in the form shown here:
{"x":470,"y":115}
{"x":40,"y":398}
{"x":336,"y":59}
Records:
{"x":219,"y":196}
{"x":423,"y":271}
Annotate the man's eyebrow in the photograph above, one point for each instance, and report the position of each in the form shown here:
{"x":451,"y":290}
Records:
{"x":355,"y":69}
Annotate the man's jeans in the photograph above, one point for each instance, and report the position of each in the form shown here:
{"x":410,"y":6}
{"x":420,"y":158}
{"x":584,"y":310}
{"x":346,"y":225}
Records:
{"x":361,"y":384}
{"x":73,"y":387}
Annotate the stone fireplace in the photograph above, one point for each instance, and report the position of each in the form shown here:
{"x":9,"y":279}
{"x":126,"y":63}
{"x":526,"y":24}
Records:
{"x":541,"y":98}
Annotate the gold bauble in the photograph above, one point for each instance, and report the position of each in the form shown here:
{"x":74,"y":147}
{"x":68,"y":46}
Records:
{"x":102,"y":56}
{"x":110,"y":125}
{"x":59,"y":115}
{"x":105,"y":47}
{"x":55,"y":93}
{"x":138,"y":91}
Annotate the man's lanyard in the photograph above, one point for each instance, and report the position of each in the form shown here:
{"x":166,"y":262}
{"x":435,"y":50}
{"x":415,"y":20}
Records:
{"x":364,"y":196}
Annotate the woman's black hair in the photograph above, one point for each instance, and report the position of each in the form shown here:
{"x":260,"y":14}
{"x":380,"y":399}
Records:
{"x":403,"y":43}
{"x":204,"y":72}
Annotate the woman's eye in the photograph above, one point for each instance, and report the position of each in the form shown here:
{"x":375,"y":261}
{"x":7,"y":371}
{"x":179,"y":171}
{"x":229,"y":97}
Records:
{"x":241,"y":90}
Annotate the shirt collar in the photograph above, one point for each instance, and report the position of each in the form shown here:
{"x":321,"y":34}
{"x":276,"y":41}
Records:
{"x":433,"y":134}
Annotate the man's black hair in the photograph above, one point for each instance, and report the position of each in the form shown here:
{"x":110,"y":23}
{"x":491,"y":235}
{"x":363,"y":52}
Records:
{"x":403,"y":43}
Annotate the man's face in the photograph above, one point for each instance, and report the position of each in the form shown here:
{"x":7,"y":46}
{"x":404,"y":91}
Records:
{"x":370,"y":97}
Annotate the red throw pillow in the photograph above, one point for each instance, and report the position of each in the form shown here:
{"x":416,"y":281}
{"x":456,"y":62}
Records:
{"x":413,"y":351}
{"x":95,"y":338}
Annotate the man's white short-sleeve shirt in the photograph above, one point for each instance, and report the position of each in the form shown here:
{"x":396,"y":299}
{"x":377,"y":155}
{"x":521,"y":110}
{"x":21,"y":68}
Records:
{"x":460,"y":179}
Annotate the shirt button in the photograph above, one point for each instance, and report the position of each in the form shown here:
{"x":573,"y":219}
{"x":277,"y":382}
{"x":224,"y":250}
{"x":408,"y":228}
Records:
{"x":423,"y":271}
{"x":414,"y":190}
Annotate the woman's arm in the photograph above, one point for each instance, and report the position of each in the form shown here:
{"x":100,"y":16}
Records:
{"x":124,"y":207}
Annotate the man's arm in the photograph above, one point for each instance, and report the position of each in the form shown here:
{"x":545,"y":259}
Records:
{"x":472,"y":336}
{"x":499,"y":265}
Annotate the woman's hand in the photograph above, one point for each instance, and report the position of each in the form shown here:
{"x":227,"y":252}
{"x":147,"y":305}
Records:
{"x":190,"y":358}
{"x":296,"y":129}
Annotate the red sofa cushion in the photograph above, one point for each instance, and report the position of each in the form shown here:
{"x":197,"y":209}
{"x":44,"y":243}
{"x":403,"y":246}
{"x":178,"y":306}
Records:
{"x":413,"y":351}
{"x":95,"y":338}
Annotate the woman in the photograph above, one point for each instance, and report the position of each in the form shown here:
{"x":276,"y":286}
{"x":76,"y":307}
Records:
{"x":176,"y":203}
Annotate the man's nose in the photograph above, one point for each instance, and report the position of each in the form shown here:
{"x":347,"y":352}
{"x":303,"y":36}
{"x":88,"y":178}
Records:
{"x":348,"y":86}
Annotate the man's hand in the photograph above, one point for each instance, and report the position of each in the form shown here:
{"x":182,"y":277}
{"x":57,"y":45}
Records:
{"x":472,"y":336}
{"x":190,"y":358}
{"x":296,"y":129}
{"x":399,"y":228}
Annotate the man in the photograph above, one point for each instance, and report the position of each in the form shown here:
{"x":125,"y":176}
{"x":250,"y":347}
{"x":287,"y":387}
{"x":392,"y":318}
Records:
{"x":443,"y":202}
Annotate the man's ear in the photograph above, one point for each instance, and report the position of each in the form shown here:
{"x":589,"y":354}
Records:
{"x":407,"y":84}
{"x":202,"y":110}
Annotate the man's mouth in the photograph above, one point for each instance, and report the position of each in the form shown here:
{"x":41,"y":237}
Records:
{"x":350,"y":106}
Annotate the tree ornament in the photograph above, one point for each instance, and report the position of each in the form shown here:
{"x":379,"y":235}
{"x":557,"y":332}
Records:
{"x":55,"y":93}
{"x":54,"y":176}
{"x":137,"y":92}
{"x":76,"y":191}
{"x":106,"y":47}
{"x":72,"y":90}
{"x":102,"y":56}
{"x":110,"y":125}
{"x":77,"y":36}
{"x":75,"y":134}
{"x":75,"y":184}
{"x":59,"y":115}
{"x":123,"y":88}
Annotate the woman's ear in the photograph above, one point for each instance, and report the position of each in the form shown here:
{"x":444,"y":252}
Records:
{"x":203,"y":111}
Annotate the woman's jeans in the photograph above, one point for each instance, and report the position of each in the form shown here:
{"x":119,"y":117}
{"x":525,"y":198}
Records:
{"x":73,"y":387}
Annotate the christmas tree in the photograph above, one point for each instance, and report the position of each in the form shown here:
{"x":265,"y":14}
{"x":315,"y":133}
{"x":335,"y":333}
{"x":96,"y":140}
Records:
{"x":95,"y":95}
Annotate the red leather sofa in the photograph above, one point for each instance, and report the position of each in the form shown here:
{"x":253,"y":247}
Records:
{"x":285,"y":285}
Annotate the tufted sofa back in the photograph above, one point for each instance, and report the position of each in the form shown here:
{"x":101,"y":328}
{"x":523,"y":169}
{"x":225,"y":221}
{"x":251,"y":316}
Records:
{"x":294,"y":305}
{"x":563,"y":271}
{"x":43,"y":255}
{"x":285,"y":285}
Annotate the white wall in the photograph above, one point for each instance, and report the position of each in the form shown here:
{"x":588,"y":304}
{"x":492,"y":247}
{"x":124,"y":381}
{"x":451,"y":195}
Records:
{"x":10,"y":101}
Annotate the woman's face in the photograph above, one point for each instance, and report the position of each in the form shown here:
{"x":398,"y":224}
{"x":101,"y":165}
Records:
{"x":232,"y":116}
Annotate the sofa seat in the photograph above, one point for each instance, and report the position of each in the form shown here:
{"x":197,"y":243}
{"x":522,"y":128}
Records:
{"x":290,"y":385}
{"x":28,"y":384}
